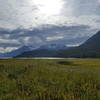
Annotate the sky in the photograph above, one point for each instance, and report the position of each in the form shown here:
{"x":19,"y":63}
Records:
{"x":39,"y":22}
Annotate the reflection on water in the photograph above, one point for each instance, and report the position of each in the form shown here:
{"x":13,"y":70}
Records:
{"x":46,"y":58}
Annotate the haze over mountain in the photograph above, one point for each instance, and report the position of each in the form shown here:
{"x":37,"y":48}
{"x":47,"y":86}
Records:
{"x":53,"y":47}
{"x":47,"y":47}
{"x":91,"y":48}
{"x":16,"y":52}
{"x":49,"y":50}
{"x":49,"y":34}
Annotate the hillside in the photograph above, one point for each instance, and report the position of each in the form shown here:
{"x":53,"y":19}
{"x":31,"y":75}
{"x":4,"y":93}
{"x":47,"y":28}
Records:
{"x":39,"y":53}
{"x":16,"y":52}
{"x":91,"y":49}
{"x":49,"y":50}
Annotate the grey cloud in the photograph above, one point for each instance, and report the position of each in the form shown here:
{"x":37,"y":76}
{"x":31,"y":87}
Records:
{"x":82,"y":7}
{"x":20,"y":22}
{"x":37,"y":36}
{"x":23,"y":13}
{"x":6,"y":49}
{"x":16,"y":13}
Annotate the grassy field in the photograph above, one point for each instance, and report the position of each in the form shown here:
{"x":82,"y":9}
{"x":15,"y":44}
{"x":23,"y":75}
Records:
{"x":69,"y":79}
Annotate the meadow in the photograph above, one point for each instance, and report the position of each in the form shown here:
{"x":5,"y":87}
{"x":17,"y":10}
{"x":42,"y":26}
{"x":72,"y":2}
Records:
{"x":59,"y":79}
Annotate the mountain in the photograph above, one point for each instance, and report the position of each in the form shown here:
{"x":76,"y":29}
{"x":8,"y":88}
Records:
{"x":53,"y":47}
{"x":48,"y":50}
{"x":39,"y":53}
{"x":89,"y":49}
{"x":16,"y":52}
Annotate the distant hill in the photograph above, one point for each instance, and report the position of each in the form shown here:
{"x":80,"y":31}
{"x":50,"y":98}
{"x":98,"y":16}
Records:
{"x":89,"y":49}
{"x":16,"y":52}
{"x":49,"y":50}
{"x":39,"y":53}
{"x":53,"y":47}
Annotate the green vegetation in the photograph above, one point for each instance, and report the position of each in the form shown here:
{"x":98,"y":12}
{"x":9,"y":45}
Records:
{"x":69,"y":79}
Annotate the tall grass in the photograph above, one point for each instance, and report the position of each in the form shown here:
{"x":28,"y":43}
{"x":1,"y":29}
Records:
{"x":50,"y":79}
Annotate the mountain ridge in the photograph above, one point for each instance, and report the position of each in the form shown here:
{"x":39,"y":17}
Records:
{"x":89,"y":49}
{"x":49,"y":50}
{"x":16,"y":52}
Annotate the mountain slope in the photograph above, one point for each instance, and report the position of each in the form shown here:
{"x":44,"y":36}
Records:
{"x":39,"y":53}
{"x":16,"y":52}
{"x":53,"y":47}
{"x":49,"y":50}
{"x":91,"y":49}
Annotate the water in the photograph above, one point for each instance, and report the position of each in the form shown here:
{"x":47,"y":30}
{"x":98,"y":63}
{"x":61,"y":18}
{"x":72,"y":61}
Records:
{"x":45,"y":58}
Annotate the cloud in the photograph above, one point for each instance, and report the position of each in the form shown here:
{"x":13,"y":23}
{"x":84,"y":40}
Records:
{"x":82,"y":7}
{"x":16,"y":13}
{"x":46,"y":34}
{"x":7,"y":49}
{"x":22,"y":24}
{"x":98,"y":0}
{"x":54,"y":38}
{"x":8,"y":41}
{"x":25,"y":14}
